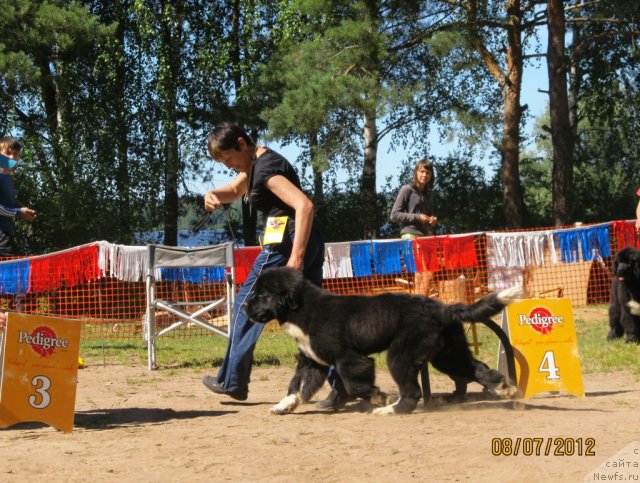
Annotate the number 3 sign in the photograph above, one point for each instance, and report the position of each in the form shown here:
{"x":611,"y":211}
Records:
{"x":543,"y":336}
{"x":39,"y":370}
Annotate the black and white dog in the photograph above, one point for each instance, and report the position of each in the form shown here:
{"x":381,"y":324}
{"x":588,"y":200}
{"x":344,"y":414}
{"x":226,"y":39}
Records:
{"x":343,"y":330}
{"x":624,"y":306}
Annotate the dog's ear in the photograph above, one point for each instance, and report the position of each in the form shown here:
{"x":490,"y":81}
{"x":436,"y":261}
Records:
{"x":294,"y":297}
{"x":614,"y":265}
{"x":291,"y":284}
{"x":636,"y":267}
{"x":617,"y":260}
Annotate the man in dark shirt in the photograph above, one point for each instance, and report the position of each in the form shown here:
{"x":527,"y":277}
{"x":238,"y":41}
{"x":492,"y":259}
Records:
{"x":271,"y":185}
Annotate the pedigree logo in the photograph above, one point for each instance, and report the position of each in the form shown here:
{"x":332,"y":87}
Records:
{"x":42,"y":340}
{"x":541,"y":320}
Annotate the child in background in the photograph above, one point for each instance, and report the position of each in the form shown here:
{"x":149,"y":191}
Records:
{"x":10,"y":209}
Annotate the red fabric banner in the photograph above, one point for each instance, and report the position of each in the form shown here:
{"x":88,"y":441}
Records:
{"x":243,"y":259}
{"x":459,"y":252}
{"x":68,"y":269}
{"x":425,"y":253}
{"x":625,"y":234}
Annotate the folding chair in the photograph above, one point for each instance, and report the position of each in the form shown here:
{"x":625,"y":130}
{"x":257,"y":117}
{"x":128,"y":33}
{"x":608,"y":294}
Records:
{"x":160,"y":256}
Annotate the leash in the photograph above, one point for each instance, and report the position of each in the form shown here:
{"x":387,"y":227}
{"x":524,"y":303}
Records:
{"x":206,"y":218}
{"x":199,"y":224}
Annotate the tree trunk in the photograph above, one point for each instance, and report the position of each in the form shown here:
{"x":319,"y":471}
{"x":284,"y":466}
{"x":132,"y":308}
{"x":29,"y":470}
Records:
{"x":55,"y":100}
{"x":170,"y":27}
{"x":510,"y":81}
{"x":318,"y":187}
{"x":575,"y":82}
{"x":171,"y":182}
{"x":512,"y":191}
{"x":561,"y":133}
{"x":50,"y":70}
{"x":368,"y":188}
{"x":123,"y":182}
{"x":249,"y":216}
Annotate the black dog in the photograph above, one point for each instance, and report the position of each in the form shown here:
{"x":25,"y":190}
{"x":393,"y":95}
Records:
{"x":624,"y":307}
{"x":342,"y":330}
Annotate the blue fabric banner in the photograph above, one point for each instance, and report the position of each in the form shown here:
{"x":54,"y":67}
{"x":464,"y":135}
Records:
{"x":193,"y":274}
{"x":595,"y":243}
{"x":14,"y":277}
{"x":407,"y":254}
{"x":361,"y":258}
{"x":568,"y":241}
{"x":386,"y":257}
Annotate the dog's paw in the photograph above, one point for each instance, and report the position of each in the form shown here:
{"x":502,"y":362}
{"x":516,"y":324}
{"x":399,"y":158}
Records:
{"x":613,"y":334}
{"x":505,"y":391}
{"x":634,"y":307}
{"x":287,"y":405}
{"x":385,"y":411}
{"x":402,"y":406}
{"x":510,"y":295}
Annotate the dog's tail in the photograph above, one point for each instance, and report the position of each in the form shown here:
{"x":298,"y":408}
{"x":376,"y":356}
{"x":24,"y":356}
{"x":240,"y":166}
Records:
{"x":482,"y":310}
{"x":485,"y":307}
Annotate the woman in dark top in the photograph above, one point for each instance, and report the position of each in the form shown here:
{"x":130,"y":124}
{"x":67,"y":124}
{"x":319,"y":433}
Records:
{"x":413,"y":209}
{"x":270,"y":184}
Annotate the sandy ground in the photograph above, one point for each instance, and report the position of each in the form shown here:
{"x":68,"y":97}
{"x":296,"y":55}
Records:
{"x":135,"y":425}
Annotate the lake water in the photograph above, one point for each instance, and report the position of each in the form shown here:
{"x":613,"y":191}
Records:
{"x":187,"y":238}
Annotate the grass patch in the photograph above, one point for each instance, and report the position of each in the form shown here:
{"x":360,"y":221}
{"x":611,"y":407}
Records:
{"x":278,"y":349}
{"x":178,"y":350}
{"x":597,"y":354}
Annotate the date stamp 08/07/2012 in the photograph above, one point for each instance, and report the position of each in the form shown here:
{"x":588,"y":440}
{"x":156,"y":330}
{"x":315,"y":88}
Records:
{"x":543,"y":446}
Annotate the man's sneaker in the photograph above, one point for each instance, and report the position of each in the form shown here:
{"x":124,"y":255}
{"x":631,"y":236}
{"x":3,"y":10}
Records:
{"x":213,"y":385}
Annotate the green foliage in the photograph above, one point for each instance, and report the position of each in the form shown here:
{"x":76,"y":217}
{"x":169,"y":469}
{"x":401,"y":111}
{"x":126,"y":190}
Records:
{"x":608,"y":157}
{"x":113,"y":100}
{"x":343,"y":62}
{"x":465,"y":201}
{"x":342,"y":219}
{"x":328,"y":67}
{"x":536,"y":181}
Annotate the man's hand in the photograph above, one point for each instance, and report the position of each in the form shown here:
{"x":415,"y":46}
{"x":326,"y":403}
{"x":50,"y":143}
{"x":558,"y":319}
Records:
{"x":211,"y":201}
{"x":27,"y":214}
{"x":295,"y":262}
{"x":429,"y":220}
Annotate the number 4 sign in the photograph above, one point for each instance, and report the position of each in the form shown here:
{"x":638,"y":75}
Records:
{"x":39,"y":370}
{"x":543,"y":336}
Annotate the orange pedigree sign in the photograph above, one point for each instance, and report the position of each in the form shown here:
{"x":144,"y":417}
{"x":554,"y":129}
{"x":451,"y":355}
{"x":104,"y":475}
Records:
{"x":39,"y":370}
{"x":543,"y":336}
